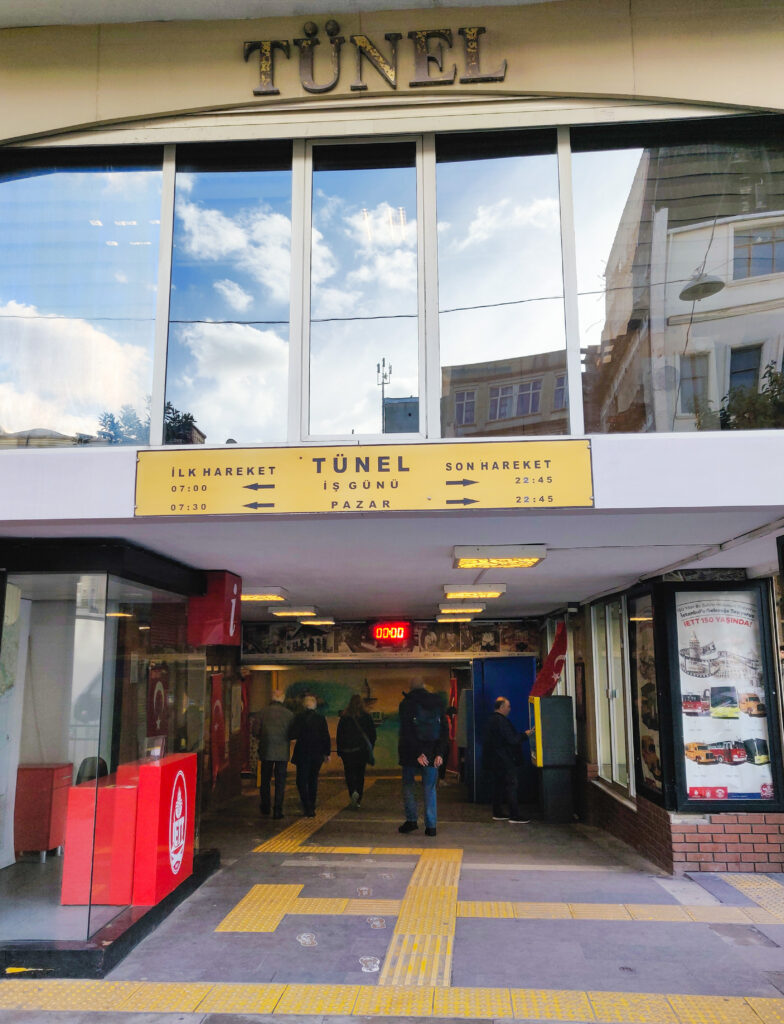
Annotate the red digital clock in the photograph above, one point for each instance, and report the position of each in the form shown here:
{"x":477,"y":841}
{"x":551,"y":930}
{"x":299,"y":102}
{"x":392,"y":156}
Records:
{"x":391,"y":634}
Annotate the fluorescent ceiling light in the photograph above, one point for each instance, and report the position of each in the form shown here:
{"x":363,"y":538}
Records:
{"x":461,"y":609}
{"x":269,"y":668}
{"x":453,"y":592}
{"x":265,"y":594}
{"x":498,"y":556}
{"x":293,"y":613}
{"x":640,"y":618}
{"x":453,"y":618}
{"x":119,"y":615}
{"x":144,"y":627}
{"x":321,"y":622}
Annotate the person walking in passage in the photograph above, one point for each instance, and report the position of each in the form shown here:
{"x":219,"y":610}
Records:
{"x":356,"y":738}
{"x":311,"y":749}
{"x":274,"y":750}
{"x":422,"y":747}
{"x":502,"y":755}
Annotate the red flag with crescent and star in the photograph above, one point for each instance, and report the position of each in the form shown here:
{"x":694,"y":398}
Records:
{"x":550,"y":672}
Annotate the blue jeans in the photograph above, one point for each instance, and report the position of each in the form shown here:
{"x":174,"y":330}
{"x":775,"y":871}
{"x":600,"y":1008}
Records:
{"x":429,"y":780}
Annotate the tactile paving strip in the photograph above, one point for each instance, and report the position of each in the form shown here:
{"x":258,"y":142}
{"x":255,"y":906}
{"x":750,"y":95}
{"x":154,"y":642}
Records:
{"x":770,"y":1011}
{"x":57,"y":994}
{"x":166,"y":997}
{"x":394,"y":1000}
{"x":291,"y":839}
{"x":764,"y":891}
{"x":262,"y":909}
{"x":484,"y":908}
{"x":315,"y":999}
{"x":542,"y":910}
{"x":632,"y":1008}
{"x":418,"y":960}
{"x":717,"y":915}
{"x":472,"y":1002}
{"x":396,"y":851}
{"x":379,"y":908}
{"x":550,"y":1004}
{"x":236,"y":998}
{"x":599,"y":912}
{"x":657,"y":912}
{"x":713,"y":1010}
{"x":317,"y":905}
{"x":431,"y":912}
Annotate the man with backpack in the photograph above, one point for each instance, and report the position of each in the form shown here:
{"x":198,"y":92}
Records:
{"x":422,"y":746}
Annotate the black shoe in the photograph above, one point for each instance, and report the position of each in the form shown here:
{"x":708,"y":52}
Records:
{"x":264,"y":810}
{"x":277,"y":815}
{"x":408,"y":826}
{"x":310,"y":814}
{"x":430,"y":831}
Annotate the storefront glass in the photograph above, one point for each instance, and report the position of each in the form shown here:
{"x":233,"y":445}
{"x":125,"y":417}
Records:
{"x":228,"y":354}
{"x":364,"y":336}
{"x":78,"y":279}
{"x":98,"y":687}
{"x":501,"y":320}
{"x":680,"y":259}
{"x":611,"y":691}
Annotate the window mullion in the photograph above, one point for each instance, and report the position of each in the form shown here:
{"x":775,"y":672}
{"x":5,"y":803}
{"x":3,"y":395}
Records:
{"x":161,"y":342}
{"x":430,"y":362}
{"x":571,"y":304}
{"x":299,"y":307}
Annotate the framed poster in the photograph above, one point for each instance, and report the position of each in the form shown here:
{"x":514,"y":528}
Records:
{"x":726,"y":737}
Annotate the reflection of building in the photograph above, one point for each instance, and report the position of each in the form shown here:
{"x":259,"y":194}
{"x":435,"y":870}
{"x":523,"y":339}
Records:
{"x":668,"y":355}
{"x":401,"y":415}
{"x":526,"y":395}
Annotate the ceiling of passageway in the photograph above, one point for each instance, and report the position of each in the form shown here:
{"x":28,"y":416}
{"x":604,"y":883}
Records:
{"x":90,"y":12}
{"x":357,"y":568}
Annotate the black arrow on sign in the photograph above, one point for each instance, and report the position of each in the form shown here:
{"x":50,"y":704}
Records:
{"x":461,"y":483}
{"x":462,"y":501}
{"x":261,"y":504}
{"x":259,"y":487}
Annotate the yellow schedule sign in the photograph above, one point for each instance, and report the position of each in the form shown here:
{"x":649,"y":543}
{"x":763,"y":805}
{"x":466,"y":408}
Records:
{"x":368,"y":478}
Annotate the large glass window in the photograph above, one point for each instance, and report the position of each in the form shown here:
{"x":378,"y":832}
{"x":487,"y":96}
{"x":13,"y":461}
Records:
{"x":745,"y":368}
{"x":364,"y":338}
{"x":78,"y":281}
{"x":611,"y":678}
{"x":228,"y":356}
{"x":673,"y":277}
{"x":501,"y":321}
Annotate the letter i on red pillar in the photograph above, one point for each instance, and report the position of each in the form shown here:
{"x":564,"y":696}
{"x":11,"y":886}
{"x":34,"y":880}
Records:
{"x":214,"y":618}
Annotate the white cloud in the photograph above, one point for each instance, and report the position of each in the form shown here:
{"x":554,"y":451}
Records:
{"x":121,"y":277}
{"x":61,"y":374}
{"x":507,"y":215}
{"x":234,"y":295}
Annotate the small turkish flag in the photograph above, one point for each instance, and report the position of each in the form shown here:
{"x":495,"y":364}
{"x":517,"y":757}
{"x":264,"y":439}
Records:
{"x":550,"y":672}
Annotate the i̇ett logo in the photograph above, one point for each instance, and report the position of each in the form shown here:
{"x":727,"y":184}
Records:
{"x":178,"y":818}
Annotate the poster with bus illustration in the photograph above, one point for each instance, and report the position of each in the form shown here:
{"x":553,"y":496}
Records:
{"x":722,"y":696}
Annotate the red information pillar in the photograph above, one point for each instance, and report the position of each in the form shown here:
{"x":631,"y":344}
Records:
{"x":166,"y":805}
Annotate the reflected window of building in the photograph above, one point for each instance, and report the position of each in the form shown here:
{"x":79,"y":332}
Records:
{"x":694,"y":383}
{"x":560,"y":393}
{"x":745,"y":368}
{"x":758,"y":251}
{"x":668,"y":265}
{"x":611,"y":691}
{"x":78,"y":278}
{"x":501,"y":319}
{"x":228,"y":351}
{"x":364,"y":305}
{"x":465,"y":404}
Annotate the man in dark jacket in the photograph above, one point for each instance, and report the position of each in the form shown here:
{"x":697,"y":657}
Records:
{"x":311,"y":749}
{"x":422,"y":746}
{"x":502,"y":756}
{"x":274,"y":750}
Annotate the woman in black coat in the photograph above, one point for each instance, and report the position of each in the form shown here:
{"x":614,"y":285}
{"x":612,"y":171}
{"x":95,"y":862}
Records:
{"x":355,"y":741}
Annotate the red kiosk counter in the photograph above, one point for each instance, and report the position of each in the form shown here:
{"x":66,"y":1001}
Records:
{"x":144,"y":827}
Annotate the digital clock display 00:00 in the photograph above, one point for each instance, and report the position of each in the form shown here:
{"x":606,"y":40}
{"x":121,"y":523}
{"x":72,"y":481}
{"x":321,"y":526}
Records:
{"x":392,"y":633}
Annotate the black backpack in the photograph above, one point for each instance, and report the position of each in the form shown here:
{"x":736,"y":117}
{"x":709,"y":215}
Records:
{"x":427,"y":724}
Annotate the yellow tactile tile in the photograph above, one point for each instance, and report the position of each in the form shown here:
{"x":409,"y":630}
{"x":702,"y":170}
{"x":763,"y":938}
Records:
{"x":545,"y":911}
{"x":550,"y":1004}
{"x":484,"y":908}
{"x":770,"y":1011}
{"x":261,"y":910}
{"x":599,"y":912}
{"x":366,"y":850}
{"x":63,"y":994}
{"x":713,"y":1010}
{"x":657,"y":912}
{"x":317,"y":905}
{"x":472,"y":1002}
{"x":432,"y":912}
{"x":378,"y":908}
{"x":632,"y":1008}
{"x":166,"y":997}
{"x":316,"y":849}
{"x":758,"y":915}
{"x":717,"y":915}
{"x":335,"y":1000}
{"x":395,"y":851}
{"x":394,"y":1001}
{"x":231,"y":998}
{"x":417,"y":960}
{"x":433,"y":872}
{"x":764,"y":891}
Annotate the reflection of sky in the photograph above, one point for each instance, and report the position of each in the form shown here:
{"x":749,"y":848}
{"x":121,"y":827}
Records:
{"x":499,"y":241}
{"x":364,"y":264}
{"x":78,"y":276}
{"x":230,"y":270}
{"x":601,"y":185}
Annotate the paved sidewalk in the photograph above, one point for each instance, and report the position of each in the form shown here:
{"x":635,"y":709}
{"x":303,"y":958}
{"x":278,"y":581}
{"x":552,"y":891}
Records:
{"x":339,"y":918}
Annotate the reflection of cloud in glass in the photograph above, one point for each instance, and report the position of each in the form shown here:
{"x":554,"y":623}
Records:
{"x":236,"y":381}
{"x":87,"y":372}
{"x":507,"y":215}
{"x":234,"y":295}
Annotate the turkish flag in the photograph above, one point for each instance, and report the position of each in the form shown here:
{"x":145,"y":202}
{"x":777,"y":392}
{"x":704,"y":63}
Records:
{"x":550,"y":672}
{"x":158,"y":700}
